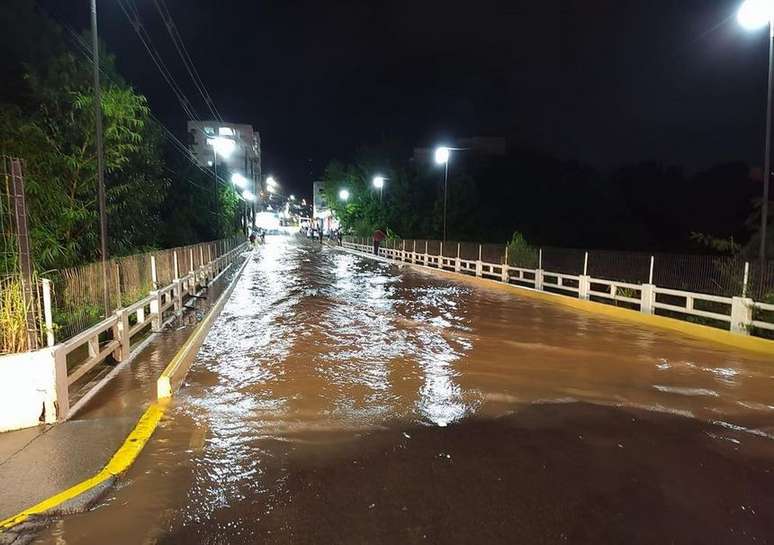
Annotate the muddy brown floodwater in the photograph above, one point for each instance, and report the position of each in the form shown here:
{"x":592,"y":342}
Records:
{"x":343,"y":400}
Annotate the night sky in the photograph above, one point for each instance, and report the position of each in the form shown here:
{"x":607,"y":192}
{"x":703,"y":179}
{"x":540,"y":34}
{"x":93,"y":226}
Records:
{"x":603,"y":81}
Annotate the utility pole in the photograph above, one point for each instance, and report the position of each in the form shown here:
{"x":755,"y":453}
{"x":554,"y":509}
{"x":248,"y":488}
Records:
{"x":100,"y":160}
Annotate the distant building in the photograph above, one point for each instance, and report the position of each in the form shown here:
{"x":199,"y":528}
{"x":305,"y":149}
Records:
{"x":244,"y":159}
{"x":476,"y":145}
{"x":322,"y":214}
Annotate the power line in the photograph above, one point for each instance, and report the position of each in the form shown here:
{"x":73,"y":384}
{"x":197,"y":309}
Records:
{"x":166,"y":16}
{"x":142,"y":33}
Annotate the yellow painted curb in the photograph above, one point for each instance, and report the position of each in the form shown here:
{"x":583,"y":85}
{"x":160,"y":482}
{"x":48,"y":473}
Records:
{"x":120,"y":462}
{"x":745,"y":342}
{"x":125,"y":456}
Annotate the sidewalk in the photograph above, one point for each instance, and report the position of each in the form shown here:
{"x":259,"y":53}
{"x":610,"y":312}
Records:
{"x":36,"y":463}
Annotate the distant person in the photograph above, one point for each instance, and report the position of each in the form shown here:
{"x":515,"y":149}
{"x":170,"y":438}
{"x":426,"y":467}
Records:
{"x":379,"y":236}
{"x":263,"y":236}
{"x":252,"y":238}
{"x":338,"y":234}
{"x":321,"y":236}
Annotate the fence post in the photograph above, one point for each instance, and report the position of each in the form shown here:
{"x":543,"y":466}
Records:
{"x":440,"y":257}
{"x":177,"y":270}
{"x":414,"y":253}
{"x":505,"y":270}
{"x":155,"y":308}
{"x":746,"y":277}
{"x":650,"y":275}
{"x":47,"y":313}
{"x":479,"y":265}
{"x":403,"y":252}
{"x":457,"y":262}
{"x":741,"y":315}
{"x":154,"y":276}
{"x":424,"y":259}
{"x":648,"y":292}
{"x":584,"y":282}
{"x":117,"y":271}
{"x":62,"y":391}
{"x":539,"y":271}
{"x":123,"y":333}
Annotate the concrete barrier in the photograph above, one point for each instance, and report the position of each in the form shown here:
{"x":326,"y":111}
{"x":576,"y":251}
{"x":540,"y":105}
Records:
{"x":28,"y":394}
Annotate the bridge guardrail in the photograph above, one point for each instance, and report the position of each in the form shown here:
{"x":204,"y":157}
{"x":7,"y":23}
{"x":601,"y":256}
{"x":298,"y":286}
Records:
{"x":739,"y":312}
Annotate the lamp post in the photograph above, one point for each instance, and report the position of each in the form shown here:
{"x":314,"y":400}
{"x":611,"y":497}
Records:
{"x":442,"y":158}
{"x":379,"y":184}
{"x":754,"y":14}
{"x":100,"y":160}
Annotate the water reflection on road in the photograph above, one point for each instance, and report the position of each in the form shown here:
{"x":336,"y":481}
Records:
{"x":339,"y":399}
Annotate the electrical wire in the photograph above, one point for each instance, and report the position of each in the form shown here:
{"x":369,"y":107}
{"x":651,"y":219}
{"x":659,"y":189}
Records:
{"x":177,"y":40}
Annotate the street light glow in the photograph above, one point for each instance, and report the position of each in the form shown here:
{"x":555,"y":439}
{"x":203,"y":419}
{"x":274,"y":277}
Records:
{"x":344,"y":195}
{"x":270,"y":181}
{"x":222,"y":146}
{"x":248,"y":195}
{"x":754,"y":14}
{"x":378,"y":182}
{"x":442,"y":155}
{"x":292,"y":197}
{"x":238,"y":180}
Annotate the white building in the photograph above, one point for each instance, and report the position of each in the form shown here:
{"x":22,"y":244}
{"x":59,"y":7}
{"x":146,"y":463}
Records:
{"x":245,"y":158}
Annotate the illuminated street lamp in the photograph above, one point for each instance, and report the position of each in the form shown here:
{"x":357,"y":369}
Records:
{"x":379,"y":184}
{"x":238,"y":180}
{"x":248,"y":195}
{"x":292,"y":197}
{"x":754,"y":14}
{"x":344,"y":195}
{"x":442,"y":158}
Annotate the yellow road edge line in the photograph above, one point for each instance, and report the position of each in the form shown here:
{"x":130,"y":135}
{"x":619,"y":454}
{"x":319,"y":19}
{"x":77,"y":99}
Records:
{"x":120,"y":462}
{"x":721,"y":336}
{"x":125,"y":456}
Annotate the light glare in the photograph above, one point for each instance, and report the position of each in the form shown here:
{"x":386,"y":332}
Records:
{"x":222,"y":146}
{"x":344,"y":195}
{"x":754,"y":14}
{"x":378,"y":182}
{"x":442,"y":155}
{"x":238,"y":180}
{"x":248,"y":195}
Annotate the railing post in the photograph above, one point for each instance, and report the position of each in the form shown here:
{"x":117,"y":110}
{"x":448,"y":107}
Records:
{"x":440,"y":257}
{"x":457,"y":262}
{"x":403,"y":252}
{"x":650,"y":275}
{"x":414,"y":253}
{"x":746,"y":277}
{"x":584,"y":282}
{"x":177,"y":270}
{"x":539,"y":271}
{"x":123,"y":334}
{"x":62,"y":390}
{"x":741,"y":315}
{"x":506,"y":273}
{"x":479,"y":264}
{"x":155,"y":308}
{"x":177,"y":293}
{"x":424,"y":259}
{"x":647,"y":298}
{"x":47,"y":312}
{"x":154,"y":276}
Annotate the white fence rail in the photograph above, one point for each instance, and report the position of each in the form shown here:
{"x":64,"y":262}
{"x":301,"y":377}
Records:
{"x":116,"y":336}
{"x":741,"y":315}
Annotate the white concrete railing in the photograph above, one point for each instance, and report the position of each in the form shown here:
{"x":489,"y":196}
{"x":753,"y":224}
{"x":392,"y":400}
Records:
{"x":47,"y":389}
{"x":648,"y":298}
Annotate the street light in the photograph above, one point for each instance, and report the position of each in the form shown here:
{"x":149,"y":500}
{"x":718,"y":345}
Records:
{"x":754,"y":14}
{"x":248,"y":195}
{"x":292,"y":197}
{"x":379,"y":184}
{"x":238,"y":180}
{"x":442,"y":158}
{"x":344,"y":195}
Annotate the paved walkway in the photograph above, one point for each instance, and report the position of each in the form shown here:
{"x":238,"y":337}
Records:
{"x":36,"y":463}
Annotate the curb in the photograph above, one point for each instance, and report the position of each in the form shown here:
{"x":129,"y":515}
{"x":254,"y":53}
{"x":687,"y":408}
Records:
{"x":86,"y":493}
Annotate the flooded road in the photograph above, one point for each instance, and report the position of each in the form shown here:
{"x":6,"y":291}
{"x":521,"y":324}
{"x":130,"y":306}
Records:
{"x":343,"y":400}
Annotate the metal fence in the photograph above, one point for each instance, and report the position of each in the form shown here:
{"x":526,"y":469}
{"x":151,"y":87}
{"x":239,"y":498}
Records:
{"x":77,"y":291}
{"x":713,"y":275}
